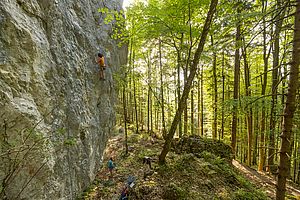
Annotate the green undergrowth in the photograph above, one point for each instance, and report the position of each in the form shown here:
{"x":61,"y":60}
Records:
{"x":185,"y":176}
{"x":204,"y":176}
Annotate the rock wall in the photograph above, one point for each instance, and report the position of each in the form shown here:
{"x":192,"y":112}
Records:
{"x":55,"y":113}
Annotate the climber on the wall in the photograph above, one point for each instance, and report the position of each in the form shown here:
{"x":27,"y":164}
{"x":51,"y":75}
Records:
{"x":101,"y":63}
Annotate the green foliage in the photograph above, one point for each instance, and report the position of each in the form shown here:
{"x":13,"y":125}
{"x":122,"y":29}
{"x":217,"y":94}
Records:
{"x":173,"y":191}
{"x":233,"y":177}
{"x":146,"y":152}
{"x":115,"y":18}
{"x":70,"y":142}
{"x":241,"y":194}
{"x":185,"y":163}
{"x":61,"y":131}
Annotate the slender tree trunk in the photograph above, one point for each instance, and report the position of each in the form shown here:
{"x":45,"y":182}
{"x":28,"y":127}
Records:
{"x":295,"y":158}
{"x":125,"y":118}
{"x":256,"y":120}
{"x":129,"y":97}
{"x":179,"y":90}
{"x":131,"y":88}
{"x":156,"y":117}
{"x":199,"y":104}
{"x":187,"y":66}
{"x":262,"y":156}
{"x":185,"y":115}
{"x":162,"y":92}
{"x":176,"y":103}
{"x":149,"y":110}
{"x":170,"y":109}
{"x":249,"y":111}
{"x":143,"y":108}
{"x":130,"y":110}
{"x":141,"y":112}
{"x":223,"y":95}
{"x":189,"y":82}
{"x":192,"y":110}
{"x":135,"y":107}
{"x":202,"y":103}
{"x":128,"y":85}
{"x":215,"y":94}
{"x":135,"y":98}
{"x":285,"y":154}
{"x":256,"y":125}
{"x":276,"y":52}
{"x":236,"y":83}
{"x":298,"y":174}
{"x":283,"y":88}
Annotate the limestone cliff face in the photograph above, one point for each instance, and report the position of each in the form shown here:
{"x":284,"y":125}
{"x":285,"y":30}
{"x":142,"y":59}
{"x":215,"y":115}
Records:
{"x":55,"y":113}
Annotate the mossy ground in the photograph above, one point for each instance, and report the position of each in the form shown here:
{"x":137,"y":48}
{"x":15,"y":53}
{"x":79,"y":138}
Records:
{"x":185,"y":176}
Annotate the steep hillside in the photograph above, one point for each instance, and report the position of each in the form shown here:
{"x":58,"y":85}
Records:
{"x":186,"y":176}
{"x":55,"y":113}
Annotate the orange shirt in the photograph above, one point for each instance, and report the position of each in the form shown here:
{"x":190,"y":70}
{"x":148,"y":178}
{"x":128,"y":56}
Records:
{"x":100,"y":61}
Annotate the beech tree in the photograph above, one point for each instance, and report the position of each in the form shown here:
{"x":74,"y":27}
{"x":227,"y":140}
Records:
{"x":290,"y":106}
{"x":236,"y":80}
{"x":187,"y":86}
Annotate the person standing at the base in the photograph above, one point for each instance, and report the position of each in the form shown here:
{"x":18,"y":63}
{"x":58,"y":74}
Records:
{"x":111,"y":166}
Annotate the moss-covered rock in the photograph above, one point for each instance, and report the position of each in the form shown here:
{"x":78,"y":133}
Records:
{"x":196,"y":144}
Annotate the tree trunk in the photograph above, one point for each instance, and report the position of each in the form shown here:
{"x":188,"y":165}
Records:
{"x":179,"y":91}
{"x":187,"y":86}
{"x":215,"y":93}
{"x":276,"y":52}
{"x":262,"y":156}
{"x":162,"y":92}
{"x":125,"y":118}
{"x":285,"y":154}
{"x":256,"y":124}
{"x":185,"y":115}
{"x":135,"y":107}
{"x":170,"y":108}
{"x":129,"y":97}
{"x":249,"y":111}
{"x":223,"y":96}
{"x":141,"y":99}
{"x":192,"y":110}
{"x":295,"y":158}
{"x":236,"y":83}
{"x":202,"y":103}
{"x":256,"y":127}
{"x":135,"y":99}
{"x":199,"y":104}
{"x":156,"y":117}
{"x":149,"y":100}
{"x":151,"y":112}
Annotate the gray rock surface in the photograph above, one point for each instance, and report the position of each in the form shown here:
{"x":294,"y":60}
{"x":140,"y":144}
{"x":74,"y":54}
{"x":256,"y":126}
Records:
{"x":55,"y":113}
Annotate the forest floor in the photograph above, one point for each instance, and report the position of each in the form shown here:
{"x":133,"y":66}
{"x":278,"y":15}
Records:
{"x":265,"y":181}
{"x":186,"y":176}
